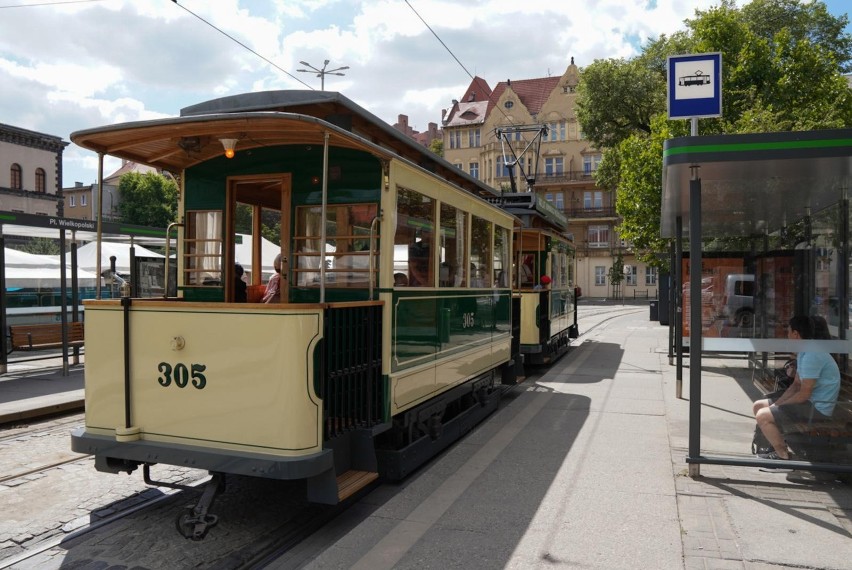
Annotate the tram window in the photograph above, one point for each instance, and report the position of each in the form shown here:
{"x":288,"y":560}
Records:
{"x":347,"y":245}
{"x":480,"y":253}
{"x":203,"y":251}
{"x":454,"y":272}
{"x":502,"y":257}
{"x":413,"y":240}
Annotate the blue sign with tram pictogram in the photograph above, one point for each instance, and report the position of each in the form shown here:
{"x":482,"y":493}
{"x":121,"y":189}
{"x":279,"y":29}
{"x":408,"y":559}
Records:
{"x":695,"y":85}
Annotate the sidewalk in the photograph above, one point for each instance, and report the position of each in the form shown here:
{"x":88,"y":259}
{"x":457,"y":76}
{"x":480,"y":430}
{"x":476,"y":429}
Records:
{"x":34,"y":388}
{"x":585,"y":468}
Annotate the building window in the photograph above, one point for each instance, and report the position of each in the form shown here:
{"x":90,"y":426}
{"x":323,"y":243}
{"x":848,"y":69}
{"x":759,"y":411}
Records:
{"x":598,"y":236}
{"x":560,"y":201}
{"x":502,"y":170}
{"x":473,"y":138}
{"x":630,"y":275}
{"x":459,"y":166}
{"x":553,"y":166}
{"x":591,"y":163}
{"x":592,"y":200}
{"x":474,"y":170}
{"x":600,"y":275}
{"x":651,"y":276}
{"x":562,"y":130}
{"x":455,"y":139}
{"x":549,"y":197}
{"x":17,"y":183}
{"x":82,"y":199}
{"x":509,"y":104}
{"x":71,"y":201}
{"x":39,"y":180}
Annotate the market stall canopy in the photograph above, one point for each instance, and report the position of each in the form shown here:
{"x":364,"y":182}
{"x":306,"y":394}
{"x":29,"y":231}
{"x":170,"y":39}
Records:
{"x":268,"y":251}
{"x":87,"y":256}
{"x":755,"y":183}
{"x":17,"y":258}
{"x":29,"y":277}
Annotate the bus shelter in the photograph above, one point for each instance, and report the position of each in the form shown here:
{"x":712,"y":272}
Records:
{"x":48,"y":282}
{"x":777,"y":204}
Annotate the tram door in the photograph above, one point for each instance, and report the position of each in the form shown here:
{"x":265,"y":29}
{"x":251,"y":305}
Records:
{"x":259,"y":205}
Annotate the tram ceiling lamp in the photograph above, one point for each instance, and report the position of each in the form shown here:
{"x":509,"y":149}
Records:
{"x":229,"y":145}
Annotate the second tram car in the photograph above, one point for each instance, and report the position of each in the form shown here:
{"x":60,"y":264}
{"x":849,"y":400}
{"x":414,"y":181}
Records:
{"x":392,"y":330}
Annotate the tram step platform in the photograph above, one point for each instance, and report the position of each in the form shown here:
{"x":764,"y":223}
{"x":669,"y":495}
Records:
{"x":353,"y":481}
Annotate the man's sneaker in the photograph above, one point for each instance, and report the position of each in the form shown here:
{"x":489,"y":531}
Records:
{"x":774,"y":455}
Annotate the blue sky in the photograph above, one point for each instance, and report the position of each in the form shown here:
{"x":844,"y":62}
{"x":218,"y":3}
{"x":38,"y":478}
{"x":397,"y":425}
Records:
{"x":66,"y":67}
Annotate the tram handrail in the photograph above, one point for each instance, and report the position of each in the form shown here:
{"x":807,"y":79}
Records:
{"x":372,"y":262}
{"x":168,"y":250}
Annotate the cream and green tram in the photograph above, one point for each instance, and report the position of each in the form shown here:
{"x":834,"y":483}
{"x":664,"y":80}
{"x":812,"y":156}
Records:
{"x":390,"y":333}
{"x":545,"y":296}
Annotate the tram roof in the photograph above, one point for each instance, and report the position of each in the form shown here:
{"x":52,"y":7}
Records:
{"x":755,"y":183}
{"x":266,"y":118}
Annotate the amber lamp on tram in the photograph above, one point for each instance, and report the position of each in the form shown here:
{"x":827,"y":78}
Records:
{"x":229,"y":145}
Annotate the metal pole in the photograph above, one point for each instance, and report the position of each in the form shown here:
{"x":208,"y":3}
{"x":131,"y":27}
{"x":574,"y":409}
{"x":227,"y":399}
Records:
{"x":100,"y":214}
{"x":323,"y":214}
{"x":678,"y":301}
{"x":4,"y":359}
{"x":694,"y":321}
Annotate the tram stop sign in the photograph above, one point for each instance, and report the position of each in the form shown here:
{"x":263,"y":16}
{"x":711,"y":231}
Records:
{"x":695,"y":85}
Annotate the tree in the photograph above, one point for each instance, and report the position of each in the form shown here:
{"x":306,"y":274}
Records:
{"x":148,"y":199}
{"x":783,"y":62}
{"x":437,"y":146}
{"x":41,"y":246}
{"x":616,"y":275}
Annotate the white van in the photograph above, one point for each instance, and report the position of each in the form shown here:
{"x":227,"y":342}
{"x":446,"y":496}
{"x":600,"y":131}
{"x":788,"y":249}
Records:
{"x":738,"y":303}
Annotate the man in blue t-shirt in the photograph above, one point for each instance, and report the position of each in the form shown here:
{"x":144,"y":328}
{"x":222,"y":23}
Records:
{"x":811,"y":396}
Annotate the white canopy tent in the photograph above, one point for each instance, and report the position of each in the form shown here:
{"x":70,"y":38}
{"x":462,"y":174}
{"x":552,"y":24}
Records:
{"x":268,"y":251}
{"x":29,"y":271}
{"x":87,"y":256}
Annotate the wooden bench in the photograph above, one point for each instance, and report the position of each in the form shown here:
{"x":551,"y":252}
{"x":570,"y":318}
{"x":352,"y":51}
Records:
{"x":825,"y":441}
{"x":40,"y":337}
{"x":640,"y":294}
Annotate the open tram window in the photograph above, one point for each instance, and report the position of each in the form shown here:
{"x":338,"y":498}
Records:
{"x":502,"y":256}
{"x":413,"y":258}
{"x":347,"y":245}
{"x":454,"y":272}
{"x":203,"y":251}
{"x":480,"y":253}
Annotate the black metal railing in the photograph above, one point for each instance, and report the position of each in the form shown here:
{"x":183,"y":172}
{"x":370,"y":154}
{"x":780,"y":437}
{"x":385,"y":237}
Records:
{"x":351,"y":385}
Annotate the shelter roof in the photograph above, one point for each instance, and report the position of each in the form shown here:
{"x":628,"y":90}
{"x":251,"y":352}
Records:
{"x":755,"y":183}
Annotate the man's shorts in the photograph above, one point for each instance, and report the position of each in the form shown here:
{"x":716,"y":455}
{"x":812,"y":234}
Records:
{"x":788,"y":414}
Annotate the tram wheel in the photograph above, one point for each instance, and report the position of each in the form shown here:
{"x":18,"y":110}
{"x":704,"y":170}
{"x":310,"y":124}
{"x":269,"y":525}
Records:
{"x":186,"y":522}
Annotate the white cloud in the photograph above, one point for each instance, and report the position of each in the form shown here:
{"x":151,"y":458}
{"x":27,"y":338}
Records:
{"x":73,"y":66}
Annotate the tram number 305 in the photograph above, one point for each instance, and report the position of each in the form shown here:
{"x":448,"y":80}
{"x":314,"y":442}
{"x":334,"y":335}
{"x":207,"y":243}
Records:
{"x":181,"y":375}
{"x":467,"y":320}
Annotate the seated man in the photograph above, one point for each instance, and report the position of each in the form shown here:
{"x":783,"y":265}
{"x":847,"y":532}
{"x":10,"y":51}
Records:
{"x":811,"y":396}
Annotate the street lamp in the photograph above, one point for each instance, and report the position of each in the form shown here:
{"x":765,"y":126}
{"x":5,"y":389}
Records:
{"x":321,"y":73}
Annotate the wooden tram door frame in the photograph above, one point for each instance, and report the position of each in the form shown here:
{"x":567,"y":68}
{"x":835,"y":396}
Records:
{"x":259,"y":191}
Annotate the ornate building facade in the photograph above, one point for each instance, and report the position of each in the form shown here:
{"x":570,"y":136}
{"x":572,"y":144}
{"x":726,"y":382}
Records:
{"x":563,"y":169}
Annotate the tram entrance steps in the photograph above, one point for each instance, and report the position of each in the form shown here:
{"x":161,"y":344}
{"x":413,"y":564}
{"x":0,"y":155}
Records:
{"x":353,"y":481}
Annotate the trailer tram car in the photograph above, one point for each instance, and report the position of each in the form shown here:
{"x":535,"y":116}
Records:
{"x":392,"y":334}
{"x":546,"y":312}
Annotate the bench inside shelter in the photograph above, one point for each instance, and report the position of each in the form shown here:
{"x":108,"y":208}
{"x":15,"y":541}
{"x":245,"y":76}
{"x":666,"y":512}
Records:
{"x":44,"y":336}
{"x":819,"y":440}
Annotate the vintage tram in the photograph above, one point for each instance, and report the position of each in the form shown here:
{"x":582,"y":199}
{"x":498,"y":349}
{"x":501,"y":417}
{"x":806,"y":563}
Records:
{"x":389,"y":339}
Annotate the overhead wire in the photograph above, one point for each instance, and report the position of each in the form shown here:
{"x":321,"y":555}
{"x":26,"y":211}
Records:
{"x":235,"y":40}
{"x":49,"y":3}
{"x":446,"y":47}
